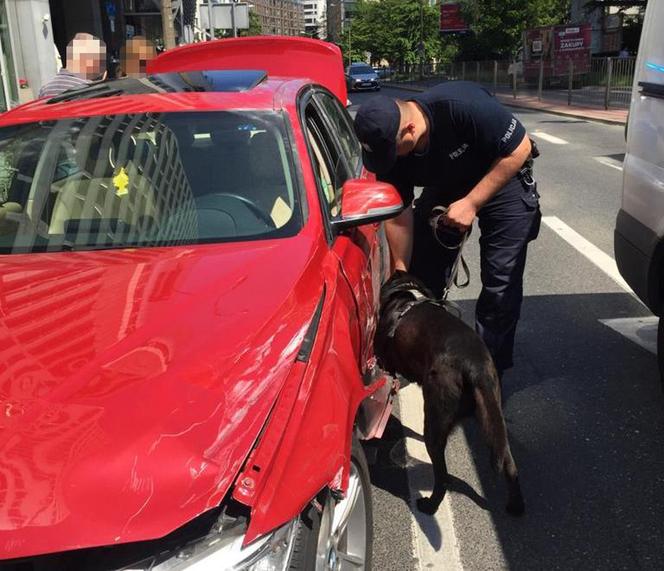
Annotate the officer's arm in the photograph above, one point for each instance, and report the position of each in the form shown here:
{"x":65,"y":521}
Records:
{"x":462,"y":212}
{"x":399,"y":233}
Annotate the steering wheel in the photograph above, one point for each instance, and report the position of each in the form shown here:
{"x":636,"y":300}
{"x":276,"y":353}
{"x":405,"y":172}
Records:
{"x":255,"y":209}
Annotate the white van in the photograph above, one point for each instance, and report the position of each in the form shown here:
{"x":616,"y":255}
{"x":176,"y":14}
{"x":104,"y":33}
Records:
{"x":639,"y":232}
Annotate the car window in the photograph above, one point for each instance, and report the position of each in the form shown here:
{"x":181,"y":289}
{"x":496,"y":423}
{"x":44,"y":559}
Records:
{"x":357,"y":69}
{"x":151,"y":179}
{"x":327,"y":163}
{"x":343,"y":129}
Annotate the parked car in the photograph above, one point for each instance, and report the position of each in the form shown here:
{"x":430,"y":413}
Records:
{"x":639,"y":232}
{"x":190,"y":266}
{"x":383,"y":72}
{"x":360,"y":76}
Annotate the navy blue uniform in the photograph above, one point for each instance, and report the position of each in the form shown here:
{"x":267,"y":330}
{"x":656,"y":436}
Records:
{"x":470,"y":130}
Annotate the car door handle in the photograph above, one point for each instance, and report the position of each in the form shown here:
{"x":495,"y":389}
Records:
{"x":649,"y":89}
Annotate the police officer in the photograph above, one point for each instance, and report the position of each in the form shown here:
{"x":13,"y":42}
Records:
{"x":473,"y":156}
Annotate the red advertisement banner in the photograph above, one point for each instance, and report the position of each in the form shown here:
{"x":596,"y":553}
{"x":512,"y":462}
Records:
{"x":451,"y":19}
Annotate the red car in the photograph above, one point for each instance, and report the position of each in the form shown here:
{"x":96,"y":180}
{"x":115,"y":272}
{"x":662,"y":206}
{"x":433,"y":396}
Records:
{"x":189,"y":274}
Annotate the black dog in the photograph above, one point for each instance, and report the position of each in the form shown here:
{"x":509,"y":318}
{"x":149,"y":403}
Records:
{"x":424,"y":342}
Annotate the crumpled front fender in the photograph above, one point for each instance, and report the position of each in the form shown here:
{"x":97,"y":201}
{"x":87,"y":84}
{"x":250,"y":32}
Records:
{"x":305,"y":446}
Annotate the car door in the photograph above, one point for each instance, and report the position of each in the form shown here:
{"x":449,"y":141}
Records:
{"x":362,"y":252}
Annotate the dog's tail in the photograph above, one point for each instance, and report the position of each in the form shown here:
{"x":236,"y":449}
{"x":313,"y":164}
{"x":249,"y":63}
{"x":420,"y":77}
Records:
{"x":490,"y":416}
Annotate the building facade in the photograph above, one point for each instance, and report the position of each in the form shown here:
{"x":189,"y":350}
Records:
{"x":34,"y":33}
{"x":280,"y":17}
{"x":315,"y":17}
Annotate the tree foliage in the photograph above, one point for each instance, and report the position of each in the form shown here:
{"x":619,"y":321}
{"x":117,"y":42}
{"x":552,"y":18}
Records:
{"x":496,"y":26}
{"x":393,"y":30}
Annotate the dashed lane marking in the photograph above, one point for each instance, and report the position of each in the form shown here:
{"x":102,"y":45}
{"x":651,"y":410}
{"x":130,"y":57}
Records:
{"x":606,"y":161}
{"x":640,"y":330}
{"x":603,"y":261}
{"x":549,"y":138}
{"x":435,"y":543}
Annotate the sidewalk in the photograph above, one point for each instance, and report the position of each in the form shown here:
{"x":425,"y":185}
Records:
{"x":611,"y":116}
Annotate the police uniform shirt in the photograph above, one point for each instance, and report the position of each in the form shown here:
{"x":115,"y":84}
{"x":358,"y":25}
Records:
{"x":469,"y":131}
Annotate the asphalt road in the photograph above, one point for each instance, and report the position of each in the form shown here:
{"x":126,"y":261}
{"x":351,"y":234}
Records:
{"x":584,"y":404}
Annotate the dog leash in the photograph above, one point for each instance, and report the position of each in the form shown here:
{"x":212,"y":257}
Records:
{"x":437,"y":213}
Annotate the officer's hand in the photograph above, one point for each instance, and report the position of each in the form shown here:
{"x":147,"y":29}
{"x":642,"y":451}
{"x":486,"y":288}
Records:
{"x":461,"y":214}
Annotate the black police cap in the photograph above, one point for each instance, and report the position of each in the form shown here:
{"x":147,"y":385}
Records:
{"x":377,"y":125}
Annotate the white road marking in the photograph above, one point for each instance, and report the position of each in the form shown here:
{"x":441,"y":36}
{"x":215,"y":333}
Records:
{"x":606,"y":161}
{"x":549,"y":138}
{"x":603,"y":261}
{"x":640,"y":330}
{"x":441,"y":524}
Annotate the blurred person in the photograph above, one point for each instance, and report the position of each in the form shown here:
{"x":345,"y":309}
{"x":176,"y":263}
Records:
{"x":86,"y":62}
{"x":135,"y":55}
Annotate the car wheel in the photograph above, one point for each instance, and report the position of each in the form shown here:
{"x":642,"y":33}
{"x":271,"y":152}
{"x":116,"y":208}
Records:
{"x":660,"y":349}
{"x":340,"y":536}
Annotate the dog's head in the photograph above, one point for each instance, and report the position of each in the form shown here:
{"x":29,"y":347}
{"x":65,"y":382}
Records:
{"x":394,"y":295}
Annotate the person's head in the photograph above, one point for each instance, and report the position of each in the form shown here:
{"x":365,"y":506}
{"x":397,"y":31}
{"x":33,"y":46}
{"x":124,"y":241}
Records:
{"x":387,"y":129}
{"x":135,"y":55}
{"x":86,"y":56}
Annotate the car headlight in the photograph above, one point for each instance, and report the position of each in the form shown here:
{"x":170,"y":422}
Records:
{"x":224,"y":551}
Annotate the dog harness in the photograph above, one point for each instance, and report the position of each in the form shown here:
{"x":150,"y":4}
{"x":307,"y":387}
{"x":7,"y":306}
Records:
{"x":418,"y":298}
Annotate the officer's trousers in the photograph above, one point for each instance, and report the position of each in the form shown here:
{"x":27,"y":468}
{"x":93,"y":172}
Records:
{"x":508,"y":222}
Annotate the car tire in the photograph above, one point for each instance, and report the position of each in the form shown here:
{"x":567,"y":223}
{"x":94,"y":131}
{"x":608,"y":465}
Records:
{"x":660,"y":349}
{"x":317,"y":545}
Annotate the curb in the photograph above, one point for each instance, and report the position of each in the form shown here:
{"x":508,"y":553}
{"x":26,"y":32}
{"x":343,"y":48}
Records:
{"x":521,"y":105}
{"x":575,"y":114}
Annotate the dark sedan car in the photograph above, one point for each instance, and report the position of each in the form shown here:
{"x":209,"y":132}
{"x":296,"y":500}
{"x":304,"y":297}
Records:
{"x":361,"y":76}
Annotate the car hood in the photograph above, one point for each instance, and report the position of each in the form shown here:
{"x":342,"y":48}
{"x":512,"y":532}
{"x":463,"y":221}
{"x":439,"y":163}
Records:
{"x":364,"y":76}
{"x":134,"y":383}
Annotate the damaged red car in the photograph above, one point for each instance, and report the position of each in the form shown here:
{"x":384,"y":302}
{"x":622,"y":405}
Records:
{"x":190,"y":265}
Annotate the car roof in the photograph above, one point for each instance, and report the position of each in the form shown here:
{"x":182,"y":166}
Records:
{"x":166,"y":92}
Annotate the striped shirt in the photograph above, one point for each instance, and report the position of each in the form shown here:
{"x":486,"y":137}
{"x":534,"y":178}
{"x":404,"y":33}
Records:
{"x":63,"y":81}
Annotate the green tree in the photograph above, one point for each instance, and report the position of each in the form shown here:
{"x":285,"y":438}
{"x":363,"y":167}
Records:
{"x":496,"y":26}
{"x":392,"y":30}
{"x":255,"y":27}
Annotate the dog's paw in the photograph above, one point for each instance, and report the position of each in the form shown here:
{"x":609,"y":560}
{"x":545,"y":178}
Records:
{"x":516,"y":507}
{"x":426,"y":505}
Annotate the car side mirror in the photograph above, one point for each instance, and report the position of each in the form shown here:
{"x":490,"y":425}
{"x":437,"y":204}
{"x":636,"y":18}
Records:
{"x":367,"y":202}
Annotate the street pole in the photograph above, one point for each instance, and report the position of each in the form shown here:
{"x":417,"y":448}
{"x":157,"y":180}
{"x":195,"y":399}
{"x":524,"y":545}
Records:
{"x":421,"y":39}
{"x":541,"y":78}
{"x":210,"y":21}
{"x":168,"y":30}
{"x":609,"y":74}
{"x":350,"y":47}
{"x":233,"y":18}
{"x":495,"y":76}
{"x":514,"y":81}
{"x":570,"y":84}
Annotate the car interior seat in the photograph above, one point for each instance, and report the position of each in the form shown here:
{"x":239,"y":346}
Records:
{"x":108,"y":193}
{"x":270,"y":189}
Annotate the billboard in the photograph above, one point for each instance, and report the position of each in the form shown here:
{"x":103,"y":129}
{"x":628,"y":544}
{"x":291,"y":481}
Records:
{"x":557,"y":46}
{"x":451,"y":19}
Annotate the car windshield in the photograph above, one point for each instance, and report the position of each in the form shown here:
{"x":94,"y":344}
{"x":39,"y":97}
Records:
{"x":151,"y":179}
{"x":361,"y":69}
